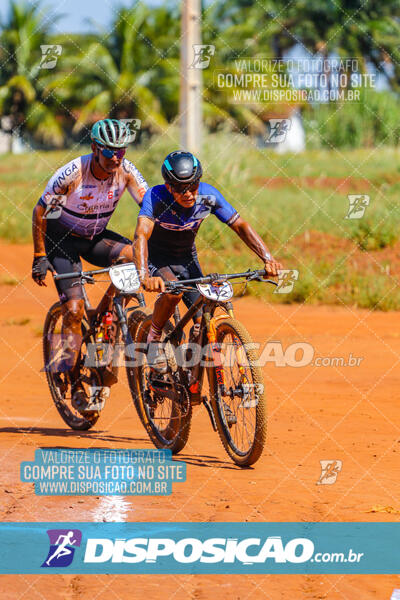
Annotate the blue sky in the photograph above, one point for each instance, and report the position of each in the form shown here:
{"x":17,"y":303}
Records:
{"x":91,"y":15}
{"x":78,"y":13}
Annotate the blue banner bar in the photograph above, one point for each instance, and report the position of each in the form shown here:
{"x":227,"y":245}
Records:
{"x":209,"y":548}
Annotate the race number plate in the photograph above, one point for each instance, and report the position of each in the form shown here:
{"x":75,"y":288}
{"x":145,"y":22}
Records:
{"x":125,"y":277}
{"x":221,"y":293}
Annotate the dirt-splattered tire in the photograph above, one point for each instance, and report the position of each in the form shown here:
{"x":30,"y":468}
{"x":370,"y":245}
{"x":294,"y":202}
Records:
{"x":243,"y":399}
{"x":137,"y":317}
{"x":167,"y":423}
{"x":59,"y":385}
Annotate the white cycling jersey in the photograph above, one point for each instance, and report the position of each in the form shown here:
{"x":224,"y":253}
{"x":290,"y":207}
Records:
{"x":83,"y":204}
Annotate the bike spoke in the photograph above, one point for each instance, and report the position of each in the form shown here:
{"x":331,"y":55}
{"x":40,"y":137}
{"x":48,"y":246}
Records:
{"x":237,"y":375}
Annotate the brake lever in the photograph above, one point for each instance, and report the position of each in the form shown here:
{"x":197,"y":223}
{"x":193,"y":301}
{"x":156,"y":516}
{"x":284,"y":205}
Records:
{"x":85,"y":279}
{"x":261,"y":279}
{"x":172,"y":287}
{"x":255,"y":278}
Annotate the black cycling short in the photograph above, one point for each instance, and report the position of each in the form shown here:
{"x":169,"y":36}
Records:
{"x":65,"y":251}
{"x":184,"y":267}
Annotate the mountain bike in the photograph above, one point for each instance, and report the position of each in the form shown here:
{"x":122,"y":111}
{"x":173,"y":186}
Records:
{"x":100,"y":339}
{"x":224,"y":349}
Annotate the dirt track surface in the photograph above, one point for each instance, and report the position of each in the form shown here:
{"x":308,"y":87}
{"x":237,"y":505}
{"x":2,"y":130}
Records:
{"x":315,"y":413}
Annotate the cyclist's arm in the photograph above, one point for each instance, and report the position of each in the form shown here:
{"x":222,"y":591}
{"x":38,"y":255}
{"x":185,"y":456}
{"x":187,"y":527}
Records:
{"x":251,"y":238}
{"x":39,"y":230}
{"x":135,"y":182}
{"x":56,"y":189}
{"x":144,"y":229}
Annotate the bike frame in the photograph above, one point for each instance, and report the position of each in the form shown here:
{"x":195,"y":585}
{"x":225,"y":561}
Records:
{"x":207,"y":332}
{"x":208,"y":321}
{"x":118,"y":301}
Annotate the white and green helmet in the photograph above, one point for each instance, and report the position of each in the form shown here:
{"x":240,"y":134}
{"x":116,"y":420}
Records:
{"x":111,"y":132}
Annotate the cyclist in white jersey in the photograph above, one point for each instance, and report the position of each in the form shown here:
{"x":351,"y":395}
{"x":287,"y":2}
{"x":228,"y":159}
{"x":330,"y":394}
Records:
{"x":70,"y":220}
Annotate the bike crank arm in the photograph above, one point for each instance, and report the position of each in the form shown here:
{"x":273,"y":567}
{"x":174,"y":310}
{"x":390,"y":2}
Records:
{"x":210,"y":412}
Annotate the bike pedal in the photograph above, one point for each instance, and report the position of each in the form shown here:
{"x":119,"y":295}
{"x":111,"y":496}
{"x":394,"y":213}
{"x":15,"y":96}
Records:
{"x":230,"y":417}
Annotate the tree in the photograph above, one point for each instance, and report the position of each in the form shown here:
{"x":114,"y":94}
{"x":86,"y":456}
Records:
{"x":23,"y":96}
{"x":113,"y":77}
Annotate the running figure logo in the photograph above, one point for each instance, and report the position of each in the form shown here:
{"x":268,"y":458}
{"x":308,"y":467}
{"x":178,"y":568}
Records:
{"x":50,"y":54}
{"x":286,"y":281}
{"x":63,"y":543}
{"x":330,"y":469}
{"x":134,"y":126}
{"x":357,"y":205}
{"x":202,"y":56}
{"x":62,"y":352}
{"x":54,"y":206}
{"x":277,"y":130}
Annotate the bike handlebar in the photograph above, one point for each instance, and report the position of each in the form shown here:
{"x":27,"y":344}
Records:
{"x":257,"y":275}
{"x":220,"y":277}
{"x":80,"y":274}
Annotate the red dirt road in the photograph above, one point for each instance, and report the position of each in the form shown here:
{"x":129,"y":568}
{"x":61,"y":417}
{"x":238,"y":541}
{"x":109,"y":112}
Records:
{"x":315,"y":413}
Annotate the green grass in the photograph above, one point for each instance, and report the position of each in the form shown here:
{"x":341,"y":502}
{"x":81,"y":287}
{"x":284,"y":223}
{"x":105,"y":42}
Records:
{"x":8,"y":280}
{"x":20,"y":322}
{"x":280,"y":214}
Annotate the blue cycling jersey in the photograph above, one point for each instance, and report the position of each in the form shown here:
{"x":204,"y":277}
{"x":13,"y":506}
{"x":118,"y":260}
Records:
{"x":176,"y":227}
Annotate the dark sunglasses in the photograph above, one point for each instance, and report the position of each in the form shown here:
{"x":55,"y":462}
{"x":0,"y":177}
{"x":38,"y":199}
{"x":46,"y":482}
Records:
{"x":108,"y":153}
{"x":181,"y":188}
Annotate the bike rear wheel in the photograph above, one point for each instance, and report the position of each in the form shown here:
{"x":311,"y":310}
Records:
{"x":59,"y":384}
{"x":166,"y":420}
{"x":239,"y":404}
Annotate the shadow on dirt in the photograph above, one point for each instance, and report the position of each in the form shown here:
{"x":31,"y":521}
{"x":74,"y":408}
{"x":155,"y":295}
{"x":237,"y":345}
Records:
{"x":196,"y":461}
{"x":59,"y":432}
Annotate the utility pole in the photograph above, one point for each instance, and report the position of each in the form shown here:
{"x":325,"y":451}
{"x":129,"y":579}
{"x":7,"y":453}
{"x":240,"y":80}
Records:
{"x":191,"y":77}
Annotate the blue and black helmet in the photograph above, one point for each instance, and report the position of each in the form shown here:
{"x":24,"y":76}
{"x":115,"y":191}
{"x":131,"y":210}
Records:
{"x":181,"y":167}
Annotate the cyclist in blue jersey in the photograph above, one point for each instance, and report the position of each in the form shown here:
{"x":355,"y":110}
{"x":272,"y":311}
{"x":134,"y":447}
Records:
{"x":69,"y":223}
{"x":164,"y":242}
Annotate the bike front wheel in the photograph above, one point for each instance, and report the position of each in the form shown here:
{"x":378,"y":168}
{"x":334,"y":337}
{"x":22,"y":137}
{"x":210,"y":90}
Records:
{"x":59,"y":384}
{"x":237,"y":393}
{"x":167,"y":420}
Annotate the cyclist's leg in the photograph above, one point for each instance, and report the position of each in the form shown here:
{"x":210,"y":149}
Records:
{"x":190,"y":269}
{"x":163,"y":309}
{"x":63,"y":253}
{"x":193,"y":271}
{"x":165,"y":303}
{"x":106,"y":249}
